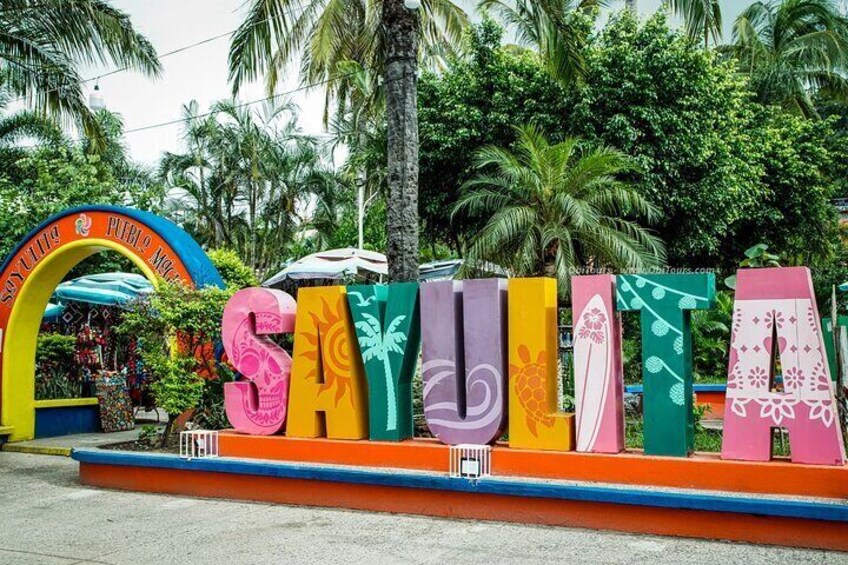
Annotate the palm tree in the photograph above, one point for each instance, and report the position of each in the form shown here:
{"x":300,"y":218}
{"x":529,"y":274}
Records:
{"x":43,"y":42}
{"x":328,"y":34}
{"x":555,"y":208}
{"x":701,"y":18}
{"x":378,"y":344}
{"x":792,"y":49}
{"x":245,"y":179}
{"x":380,"y":35}
{"x":550,"y":26}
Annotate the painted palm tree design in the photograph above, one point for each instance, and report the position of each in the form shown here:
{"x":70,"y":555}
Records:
{"x":378,"y":344}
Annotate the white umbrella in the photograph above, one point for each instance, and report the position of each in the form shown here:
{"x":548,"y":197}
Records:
{"x":333,"y":264}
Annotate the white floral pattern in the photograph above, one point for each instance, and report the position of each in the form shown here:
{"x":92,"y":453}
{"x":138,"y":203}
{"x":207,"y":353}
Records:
{"x":805,"y":374}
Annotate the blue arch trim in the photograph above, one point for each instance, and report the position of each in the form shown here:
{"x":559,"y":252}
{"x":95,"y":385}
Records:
{"x":197,"y":263}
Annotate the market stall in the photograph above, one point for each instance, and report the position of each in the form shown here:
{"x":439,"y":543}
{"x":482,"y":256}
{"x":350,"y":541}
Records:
{"x":88,"y":377}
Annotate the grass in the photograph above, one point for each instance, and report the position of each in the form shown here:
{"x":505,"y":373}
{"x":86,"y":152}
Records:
{"x":706,"y":440}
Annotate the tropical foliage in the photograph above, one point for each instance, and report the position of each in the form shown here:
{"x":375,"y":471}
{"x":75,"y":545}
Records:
{"x":328,"y":35}
{"x":556,"y":207}
{"x":245,"y":179}
{"x":557,"y":29}
{"x":44,"y":42}
{"x":791,"y":50}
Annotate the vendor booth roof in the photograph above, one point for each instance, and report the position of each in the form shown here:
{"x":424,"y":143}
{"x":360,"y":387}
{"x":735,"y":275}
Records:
{"x":52,"y":312}
{"x":106,"y":289}
{"x":333,"y":264}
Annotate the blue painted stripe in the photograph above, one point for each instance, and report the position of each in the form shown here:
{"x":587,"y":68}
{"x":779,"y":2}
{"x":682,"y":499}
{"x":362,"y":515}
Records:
{"x":200,"y":268}
{"x":640,"y":389}
{"x":740,"y":504}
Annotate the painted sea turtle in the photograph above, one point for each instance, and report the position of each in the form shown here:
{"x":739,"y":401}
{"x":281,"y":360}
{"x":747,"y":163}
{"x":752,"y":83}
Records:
{"x":529,"y":381}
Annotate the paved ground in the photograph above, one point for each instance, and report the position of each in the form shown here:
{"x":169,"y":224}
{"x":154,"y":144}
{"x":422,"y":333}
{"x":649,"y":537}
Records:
{"x":46,"y":517}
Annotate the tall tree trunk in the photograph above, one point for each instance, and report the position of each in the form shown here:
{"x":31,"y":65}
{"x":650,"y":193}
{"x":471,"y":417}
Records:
{"x":400,"y":26}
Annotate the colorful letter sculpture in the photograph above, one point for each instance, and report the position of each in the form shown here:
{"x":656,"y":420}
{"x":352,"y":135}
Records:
{"x":464,"y":359}
{"x":389,"y":336}
{"x":598,"y":370}
{"x":328,"y":389}
{"x":257,"y":405}
{"x":779,"y":304}
{"x":534,"y":419}
{"x":665,"y":302}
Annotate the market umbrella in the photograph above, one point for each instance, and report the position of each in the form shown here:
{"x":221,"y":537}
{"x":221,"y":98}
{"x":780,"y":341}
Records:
{"x":106,"y":289}
{"x":53,"y":312}
{"x":448,"y":270}
{"x":333,"y":264}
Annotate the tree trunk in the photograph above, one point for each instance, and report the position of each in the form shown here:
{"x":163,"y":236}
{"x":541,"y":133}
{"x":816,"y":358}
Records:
{"x":400,"y":29}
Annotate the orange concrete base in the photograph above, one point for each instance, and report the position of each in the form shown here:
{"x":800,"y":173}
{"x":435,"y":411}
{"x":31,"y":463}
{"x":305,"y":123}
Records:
{"x":701,"y":471}
{"x":639,"y":519}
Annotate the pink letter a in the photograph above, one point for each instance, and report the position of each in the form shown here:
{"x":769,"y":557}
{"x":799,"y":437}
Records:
{"x":779,"y":302}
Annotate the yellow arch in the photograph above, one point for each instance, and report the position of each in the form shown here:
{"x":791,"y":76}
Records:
{"x":18,"y":404}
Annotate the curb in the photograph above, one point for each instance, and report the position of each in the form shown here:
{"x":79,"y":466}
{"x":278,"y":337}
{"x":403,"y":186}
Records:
{"x":37,"y":449}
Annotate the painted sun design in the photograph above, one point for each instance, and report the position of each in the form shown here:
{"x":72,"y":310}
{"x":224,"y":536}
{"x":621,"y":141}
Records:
{"x":83,"y":225}
{"x":334,"y":343}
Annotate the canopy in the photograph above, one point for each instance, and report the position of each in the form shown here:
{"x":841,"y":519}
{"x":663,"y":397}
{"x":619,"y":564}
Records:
{"x":333,"y":264}
{"x":107,"y":289}
{"x":53,"y":312}
{"x":448,"y":269}
{"x":439,"y":270}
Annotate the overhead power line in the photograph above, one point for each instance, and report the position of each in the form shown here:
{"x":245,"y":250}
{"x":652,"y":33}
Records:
{"x":163,"y":55}
{"x":213,"y":112}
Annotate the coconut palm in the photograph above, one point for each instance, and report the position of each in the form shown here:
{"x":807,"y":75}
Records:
{"x":43,"y":43}
{"x":792,"y":49}
{"x":701,"y":18}
{"x":244,"y":179}
{"x":550,"y":26}
{"x":327,"y":34}
{"x":553,"y":208}
{"x":378,"y":344}
{"x":380,"y":35}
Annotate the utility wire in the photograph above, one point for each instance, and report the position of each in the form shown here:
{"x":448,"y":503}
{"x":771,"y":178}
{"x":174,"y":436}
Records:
{"x":163,"y":55}
{"x":213,"y":112}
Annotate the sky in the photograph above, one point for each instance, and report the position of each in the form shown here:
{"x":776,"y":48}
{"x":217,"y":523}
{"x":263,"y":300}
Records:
{"x":200,"y":73}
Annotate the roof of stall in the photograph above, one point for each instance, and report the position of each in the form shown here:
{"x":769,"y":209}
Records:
{"x":105,"y":289}
{"x":333,"y":264}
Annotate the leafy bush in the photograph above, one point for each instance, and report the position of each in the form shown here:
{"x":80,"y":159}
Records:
{"x":54,"y":350}
{"x":177,"y":327}
{"x":232,"y":269}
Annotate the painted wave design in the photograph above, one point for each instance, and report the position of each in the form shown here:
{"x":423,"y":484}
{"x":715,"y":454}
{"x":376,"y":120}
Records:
{"x":483,"y":396}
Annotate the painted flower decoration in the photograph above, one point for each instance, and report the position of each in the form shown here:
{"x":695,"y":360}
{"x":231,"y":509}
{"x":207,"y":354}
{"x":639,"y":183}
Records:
{"x":793,"y":378}
{"x":778,"y":319}
{"x":777,"y":409}
{"x":757,"y":377}
{"x":593,"y":324}
{"x":822,"y":410}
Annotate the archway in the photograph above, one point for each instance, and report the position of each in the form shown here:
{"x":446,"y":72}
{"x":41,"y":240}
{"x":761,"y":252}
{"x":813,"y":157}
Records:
{"x":38,"y":264}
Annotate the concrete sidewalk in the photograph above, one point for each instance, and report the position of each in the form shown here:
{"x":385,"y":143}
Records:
{"x":47,"y":517}
{"x":62,"y":445}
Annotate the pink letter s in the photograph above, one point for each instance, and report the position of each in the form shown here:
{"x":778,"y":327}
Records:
{"x":257,"y":405}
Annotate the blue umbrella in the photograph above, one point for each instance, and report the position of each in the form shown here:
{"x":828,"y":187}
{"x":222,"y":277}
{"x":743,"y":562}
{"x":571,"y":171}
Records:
{"x":53,"y":312}
{"x":106,"y":289}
